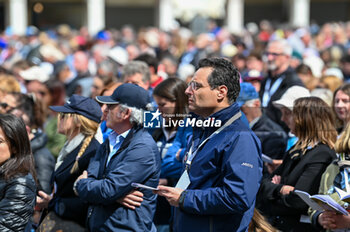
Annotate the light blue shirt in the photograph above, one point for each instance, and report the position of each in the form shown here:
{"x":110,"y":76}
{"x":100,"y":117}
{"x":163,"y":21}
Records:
{"x":115,"y":141}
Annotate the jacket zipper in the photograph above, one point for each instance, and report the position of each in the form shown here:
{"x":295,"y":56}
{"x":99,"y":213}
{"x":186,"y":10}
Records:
{"x":211,"y":229}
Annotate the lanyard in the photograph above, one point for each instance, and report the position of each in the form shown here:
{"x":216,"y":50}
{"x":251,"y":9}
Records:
{"x":346,"y":180}
{"x":269,"y":92}
{"x":192,"y":155}
{"x":345,"y":173}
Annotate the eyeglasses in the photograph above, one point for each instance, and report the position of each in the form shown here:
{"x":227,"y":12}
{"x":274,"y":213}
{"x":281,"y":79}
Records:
{"x":273,"y":54}
{"x":194,"y":85}
{"x":6,"y":106}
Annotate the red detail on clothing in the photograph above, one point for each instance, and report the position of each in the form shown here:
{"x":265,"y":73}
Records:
{"x":154,"y":84}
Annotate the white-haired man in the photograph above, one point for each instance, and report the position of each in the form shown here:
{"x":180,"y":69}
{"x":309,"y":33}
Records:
{"x":280,"y":78}
{"x":128,"y":155}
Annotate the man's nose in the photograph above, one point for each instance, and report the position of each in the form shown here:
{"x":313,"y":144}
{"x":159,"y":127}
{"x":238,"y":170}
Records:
{"x":270,"y":57}
{"x":104,"y":108}
{"x":339,"y":104}
{"x":188,"y":91}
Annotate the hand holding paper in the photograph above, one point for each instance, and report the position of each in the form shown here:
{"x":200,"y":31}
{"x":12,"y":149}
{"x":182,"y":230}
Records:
{"x":321,"y":202}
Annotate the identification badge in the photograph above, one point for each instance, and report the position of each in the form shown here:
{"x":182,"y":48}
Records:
{"x":184,"y":181}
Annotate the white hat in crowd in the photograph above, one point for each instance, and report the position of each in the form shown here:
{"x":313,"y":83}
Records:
{"x":316,"y":64}
{"x":50,"y":51}
{"x":334,"y":72}
{"x":292,"y":94}
{"x":35,"y":73}
{"x":325,"y":94}
{"x":119,"y":55}
{"x":185,"y":71}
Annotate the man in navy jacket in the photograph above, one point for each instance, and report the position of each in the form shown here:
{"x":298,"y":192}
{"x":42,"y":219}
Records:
{"x":128,"y":155}
{"x":217,"y":189}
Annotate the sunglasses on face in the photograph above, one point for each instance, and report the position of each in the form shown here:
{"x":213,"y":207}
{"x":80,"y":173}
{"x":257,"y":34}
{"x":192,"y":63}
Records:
{"x":273,"y":54}
{"x":111,"y":106}
{"x":3,"y":105}
{"x":62,"y":116}
{"x":6,"y":106}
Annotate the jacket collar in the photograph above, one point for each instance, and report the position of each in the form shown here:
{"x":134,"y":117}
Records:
{"x":69,"y":159}
{"x":286,"y":72}
{"x":226,"y":113}
{"x":223,"y":115}
{"x":39,"y":141}
{"x":200,"y":133}
{"x":124,"y":145}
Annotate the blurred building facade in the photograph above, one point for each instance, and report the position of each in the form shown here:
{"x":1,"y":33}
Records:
{"x":99,"y":14}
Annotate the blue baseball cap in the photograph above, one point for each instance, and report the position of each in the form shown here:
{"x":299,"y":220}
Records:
{"x":127,"y":94}
{"x":247,"y":93}
{"x":253,"y":75}
{"x":103,"y":35}
{"x":84,"y":106}
{"x":3,"y":43}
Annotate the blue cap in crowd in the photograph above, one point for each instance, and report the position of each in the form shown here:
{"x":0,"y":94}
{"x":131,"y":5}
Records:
{"x":103,"y":35}
{"x":247,"y":93}
{"x":84,"y":106}
{"x":253,"y":75}
{"x":127,"y":94}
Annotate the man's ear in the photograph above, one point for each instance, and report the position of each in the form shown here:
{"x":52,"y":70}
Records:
{"x":146,"y":84}
{"x":127,"y":113}
{"x":257,"y":103}
{"x":222,"y":92}
{"x":152,"y":70}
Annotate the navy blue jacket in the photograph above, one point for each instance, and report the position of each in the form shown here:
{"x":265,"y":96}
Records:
{"x":225,"y":176}
{"x":64,"y":202}
{"x":137,"y":160}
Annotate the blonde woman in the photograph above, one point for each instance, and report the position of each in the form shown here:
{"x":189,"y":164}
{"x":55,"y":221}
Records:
{"x":260,"y":224}
{"x":336,"y":175}
{"x":78,"y":119}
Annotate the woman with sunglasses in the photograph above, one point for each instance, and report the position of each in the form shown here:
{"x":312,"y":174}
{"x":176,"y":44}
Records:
{"x":78,"y":120}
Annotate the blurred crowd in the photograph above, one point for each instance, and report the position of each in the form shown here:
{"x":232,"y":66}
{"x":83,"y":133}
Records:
{"x":277,"y":65}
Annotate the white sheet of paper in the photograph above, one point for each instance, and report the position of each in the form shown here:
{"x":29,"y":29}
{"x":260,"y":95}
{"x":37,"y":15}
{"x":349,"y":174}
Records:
{"x":266,"y":159}
{"x":184,"y":181}
{"x":306,"y":197}
{"x":137,"y":185}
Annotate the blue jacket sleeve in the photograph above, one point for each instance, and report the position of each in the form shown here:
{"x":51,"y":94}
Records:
{"x":171,"y":167}
{"x":241,"y":169}
{"x":136,"y":166}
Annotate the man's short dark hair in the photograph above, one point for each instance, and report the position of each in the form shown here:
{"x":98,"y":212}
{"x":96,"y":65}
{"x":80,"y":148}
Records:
{"x":224,"y":73}
{"x":150,"y":60}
